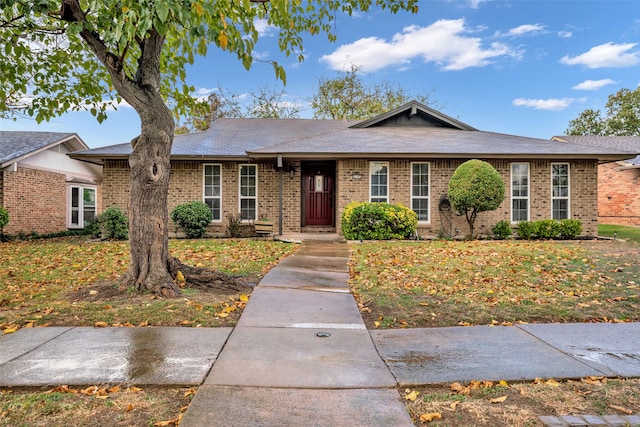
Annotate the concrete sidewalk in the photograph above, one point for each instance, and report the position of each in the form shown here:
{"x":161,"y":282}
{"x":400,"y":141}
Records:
{"x":301,"y":355}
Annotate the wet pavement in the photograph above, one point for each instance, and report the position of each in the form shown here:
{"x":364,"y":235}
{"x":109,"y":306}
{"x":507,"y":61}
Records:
{"x":301,"y":355}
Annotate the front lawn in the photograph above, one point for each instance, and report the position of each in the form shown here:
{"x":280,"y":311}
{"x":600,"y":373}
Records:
{"x":72,"y":282}
{"x":447,"y":283}
{"x":631,"y":234}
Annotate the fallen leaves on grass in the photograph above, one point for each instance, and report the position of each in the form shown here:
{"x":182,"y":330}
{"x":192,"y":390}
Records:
{"x":74,"y":283}
{"x":444,"y":283}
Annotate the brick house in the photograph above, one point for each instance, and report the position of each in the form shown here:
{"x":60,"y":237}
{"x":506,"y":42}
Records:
{"x":43,"y":189}
{"x":618,"y":182}
{"x":301,"y":173}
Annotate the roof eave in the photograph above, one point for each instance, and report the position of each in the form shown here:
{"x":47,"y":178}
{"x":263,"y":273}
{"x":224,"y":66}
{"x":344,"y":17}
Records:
{"x":532,"y":156}
{"x":75,"y":141}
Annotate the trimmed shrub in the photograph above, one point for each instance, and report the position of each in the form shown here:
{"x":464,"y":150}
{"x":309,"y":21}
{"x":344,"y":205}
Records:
{"x":475,"y":187}
{"x":378,"y":221}
{"x":570,"y":228}
{"x":547,"y":229}
{"x":526,"y":230}
{"x":502,"y":230}
{"x":112,"y":224}
{"x":192,"y":218}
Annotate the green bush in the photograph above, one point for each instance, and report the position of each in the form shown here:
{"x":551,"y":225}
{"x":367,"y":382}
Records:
{"x":502,"y":230}
{"x":192,"y":218}
{"x":547,"y":229}
{"x":526,"y":230}
{"x":378,"y":221}
{"x":475,"y":187}
{"x":4,"y":217}
{"x":570,"y":228}
{"x":112,"y":224}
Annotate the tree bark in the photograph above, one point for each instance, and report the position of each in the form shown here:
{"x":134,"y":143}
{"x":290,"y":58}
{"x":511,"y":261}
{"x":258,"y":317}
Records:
{"x":148,"y":213}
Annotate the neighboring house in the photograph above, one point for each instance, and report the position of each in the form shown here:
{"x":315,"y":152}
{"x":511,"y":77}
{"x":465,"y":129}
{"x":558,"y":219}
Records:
{"x":301,"y":173}
{"x":43,"y":189}
{"x":618,"y":182}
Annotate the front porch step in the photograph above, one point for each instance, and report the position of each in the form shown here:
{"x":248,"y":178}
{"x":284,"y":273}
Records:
{"x":318,"y":230}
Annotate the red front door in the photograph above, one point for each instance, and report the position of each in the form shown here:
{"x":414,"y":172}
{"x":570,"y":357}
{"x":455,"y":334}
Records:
{"x":318,"y":197}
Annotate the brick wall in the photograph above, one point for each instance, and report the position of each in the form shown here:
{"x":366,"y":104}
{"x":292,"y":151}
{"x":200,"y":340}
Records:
{"x":618,"y":195}
{"x":36,"y":201}
{"x":186,"y":185}
{"x":583,"y":182}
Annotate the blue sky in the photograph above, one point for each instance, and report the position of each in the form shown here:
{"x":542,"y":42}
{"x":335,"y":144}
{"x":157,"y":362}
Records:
{"x":517,"y":67}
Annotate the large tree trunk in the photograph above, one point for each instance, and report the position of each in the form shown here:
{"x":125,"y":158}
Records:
{"x":150,"y":264}
{"x":148,"y":212}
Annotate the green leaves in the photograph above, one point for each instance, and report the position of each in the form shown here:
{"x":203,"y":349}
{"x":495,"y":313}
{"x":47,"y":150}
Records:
{"x":119,"y":29}
{"x":475,"y":187}
{"x":622,"y":117}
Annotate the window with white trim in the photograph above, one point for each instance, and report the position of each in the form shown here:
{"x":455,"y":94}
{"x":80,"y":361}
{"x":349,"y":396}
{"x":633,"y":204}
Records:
{"x":82,"y":206}
{"x":212,"y":186}
{"x":379,"y":188}
{"x":420,"y":190}
{"x":560,"y":190}
{"x":519,"y":192}
{"x":248,"y":189}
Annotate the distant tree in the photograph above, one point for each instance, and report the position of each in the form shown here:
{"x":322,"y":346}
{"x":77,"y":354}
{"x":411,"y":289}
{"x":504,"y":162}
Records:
{"x":202,"y":115}
{"x":475,"y":187}
{"x":622,"y":117}
{"x":266,"y":103}
{"x":269,"y":104}
{"x":347,"y":97}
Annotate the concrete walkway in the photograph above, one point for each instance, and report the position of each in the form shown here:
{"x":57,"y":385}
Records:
{"x":301,"y":355}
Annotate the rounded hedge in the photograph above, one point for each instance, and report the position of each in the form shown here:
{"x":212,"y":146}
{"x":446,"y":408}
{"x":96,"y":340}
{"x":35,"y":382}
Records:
{"x":476,"y":185}
{"x":192,"y":218}
{"x":378,"y":221}
{"x":112,"y":224}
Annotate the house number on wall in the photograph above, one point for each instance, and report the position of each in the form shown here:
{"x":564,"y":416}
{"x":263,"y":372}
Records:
{"x":319,"y":183}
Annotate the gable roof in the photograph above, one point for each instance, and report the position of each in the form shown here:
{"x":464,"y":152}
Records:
{"x":410,"y":131}
{"x":17,"y":145}
{"x":625,"y":143}
{"x":414,"y":114}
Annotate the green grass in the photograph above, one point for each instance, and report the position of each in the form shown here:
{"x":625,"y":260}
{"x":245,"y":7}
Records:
{"x":631,"y":234}
{"x":439,"y":283}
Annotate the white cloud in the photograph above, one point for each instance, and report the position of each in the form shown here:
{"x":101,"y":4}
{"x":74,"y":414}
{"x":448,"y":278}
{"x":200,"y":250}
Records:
{"x":605,"y":55}
{"x":551,"y":104}
{"x":475,"y":3}
{"x":593,"y":84}
{"x":443,"y":42}
{"x":565,"y":34}
{"x":525,"y":29}
{"x":264,"y":29}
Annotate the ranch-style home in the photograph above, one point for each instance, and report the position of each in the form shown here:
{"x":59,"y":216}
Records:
{"x":618,"y":182}
{"x":43,"y":189}
{"x":301,"y":173}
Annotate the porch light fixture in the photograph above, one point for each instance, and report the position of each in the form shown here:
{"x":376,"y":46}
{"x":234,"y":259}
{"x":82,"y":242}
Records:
{"x":357,"y":176}
{"x":291,"y":170}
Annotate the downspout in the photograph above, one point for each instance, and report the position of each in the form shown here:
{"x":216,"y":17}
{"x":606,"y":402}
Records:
{"x":280,"y":167}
